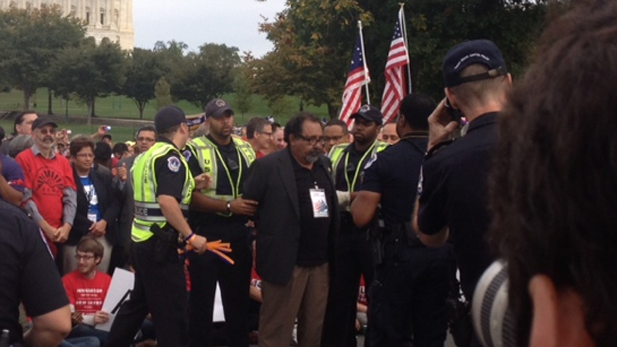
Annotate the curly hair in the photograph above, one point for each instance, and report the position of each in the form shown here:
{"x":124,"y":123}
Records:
{"x":553,"y":184}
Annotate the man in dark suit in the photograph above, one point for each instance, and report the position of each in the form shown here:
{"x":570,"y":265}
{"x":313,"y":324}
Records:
{"x":297,"y":222}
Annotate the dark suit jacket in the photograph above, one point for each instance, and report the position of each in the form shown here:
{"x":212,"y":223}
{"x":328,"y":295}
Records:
{"x":108,"y":203}
{"x":271,"y":182}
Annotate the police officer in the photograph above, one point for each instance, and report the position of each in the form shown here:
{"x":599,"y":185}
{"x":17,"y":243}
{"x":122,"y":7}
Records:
{"x":353,"y":252}
{"x":220,"y":212}
{"x":411,"y":281}
{"x":162,"y":185}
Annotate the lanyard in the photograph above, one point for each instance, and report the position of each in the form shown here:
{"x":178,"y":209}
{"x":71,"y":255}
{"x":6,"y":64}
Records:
{"x":235,"y":189}
{"x":357,"y":172}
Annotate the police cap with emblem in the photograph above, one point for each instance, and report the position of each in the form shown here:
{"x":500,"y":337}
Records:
{"x":370,"y":113}
{"x":217,"y":108}
{"x":168,"y":117}
{"x":483,"y":52}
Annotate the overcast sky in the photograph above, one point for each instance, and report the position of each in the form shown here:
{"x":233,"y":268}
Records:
{"x":195,"y":22}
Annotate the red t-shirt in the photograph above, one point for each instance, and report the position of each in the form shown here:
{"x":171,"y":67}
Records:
{"x":255,"y":279}
{"x":47,"y":179}
{"x":87,"y":295}
{"x":362,"y":292}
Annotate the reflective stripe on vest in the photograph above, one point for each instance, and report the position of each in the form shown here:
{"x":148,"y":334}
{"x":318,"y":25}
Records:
{"x":143,"y":178}
{"x":207,"y":153}
{"x":336,"y":155}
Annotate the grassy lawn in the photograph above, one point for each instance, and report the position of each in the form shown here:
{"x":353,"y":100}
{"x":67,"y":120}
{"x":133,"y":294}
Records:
{"x":122,"y":107}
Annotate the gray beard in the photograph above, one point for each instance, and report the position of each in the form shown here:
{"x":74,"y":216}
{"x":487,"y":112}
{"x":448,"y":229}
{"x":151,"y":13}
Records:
{"x":312,"y":158}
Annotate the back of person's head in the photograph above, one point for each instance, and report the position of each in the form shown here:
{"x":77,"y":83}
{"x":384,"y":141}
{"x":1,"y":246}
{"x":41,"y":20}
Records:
{"x":338,"y":122}
{"x":255,"y":124}
{"x":19,"y":144}
{"x":90,"y":245}
{"x":295,"y":124}
{"x":102,"y":152}
{"x":553,"y":180}
{"x":119,"y":149}
{"x":416,"y":108}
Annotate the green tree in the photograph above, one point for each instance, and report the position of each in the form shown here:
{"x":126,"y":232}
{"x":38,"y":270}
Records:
{"x":243,"y":76}
{"x":313,"y":42}
{"x":89,"y":71}
{"x":30,"y":40}
{"x":162,"y":92}
{"x":144,"y":69}
{"x":205,"y":75}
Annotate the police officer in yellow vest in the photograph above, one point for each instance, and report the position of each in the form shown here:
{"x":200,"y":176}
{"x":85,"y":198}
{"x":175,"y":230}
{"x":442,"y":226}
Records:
{"x":353,"y":251}
{"x":220,"y":212}
{"x":163,"y":185}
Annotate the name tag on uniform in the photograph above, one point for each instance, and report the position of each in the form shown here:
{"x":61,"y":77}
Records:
{"x":319,"y":202}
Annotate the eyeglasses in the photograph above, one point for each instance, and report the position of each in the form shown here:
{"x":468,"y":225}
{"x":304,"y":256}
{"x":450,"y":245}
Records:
{"x":83,"y":257}
{"x":313,"y":140}
{"x":265,"y":133}
{"x":145,"y":139}
{"x":47,"y":131}
{"x":84,"y":155}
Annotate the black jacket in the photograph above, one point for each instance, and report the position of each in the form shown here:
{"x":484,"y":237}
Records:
{"x":108,"y":203}
{"x":272,"y":183}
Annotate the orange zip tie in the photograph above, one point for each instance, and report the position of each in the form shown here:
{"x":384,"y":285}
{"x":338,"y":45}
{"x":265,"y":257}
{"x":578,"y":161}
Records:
{"x":219,"y":248}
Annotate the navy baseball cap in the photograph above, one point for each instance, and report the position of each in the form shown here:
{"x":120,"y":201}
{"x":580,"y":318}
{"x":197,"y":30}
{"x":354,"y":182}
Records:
{"x":168,"y":117}
{"x":217,"y":108}
{"x":370,"y":113}
{"x":464,"y":54}
{"x":41,"y":122}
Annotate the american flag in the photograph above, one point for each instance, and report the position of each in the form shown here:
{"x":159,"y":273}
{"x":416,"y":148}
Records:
{"x":358,"y":76}
{"x":395,"y":89}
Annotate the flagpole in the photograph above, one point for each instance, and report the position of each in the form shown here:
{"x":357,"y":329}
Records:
{"x":402,"y":19}
{"x":368,"y":98}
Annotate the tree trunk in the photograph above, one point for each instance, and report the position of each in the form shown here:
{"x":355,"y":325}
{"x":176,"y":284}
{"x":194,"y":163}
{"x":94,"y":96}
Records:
{"x":141,"y":106}
{"x":50,"y":111}
{"x":27,"y":96}
{"x":332,"y":111}
{"x":90,"y":104}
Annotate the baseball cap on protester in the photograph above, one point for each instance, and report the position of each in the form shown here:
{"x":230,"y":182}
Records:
{"x":41,"y":122}
{"x":464,"y":54}
{"x":370,"y":113}
{"x":217,"y":107}
{"x":167,"y":117}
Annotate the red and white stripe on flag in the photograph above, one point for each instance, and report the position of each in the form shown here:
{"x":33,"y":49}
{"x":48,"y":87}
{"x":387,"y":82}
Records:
{"x":356,"y":79}
{"x":395,"y":89}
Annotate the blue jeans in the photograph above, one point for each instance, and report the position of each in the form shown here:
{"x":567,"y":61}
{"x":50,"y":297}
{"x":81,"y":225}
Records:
{"x":86,"y":341}
{"x":83,"y":330}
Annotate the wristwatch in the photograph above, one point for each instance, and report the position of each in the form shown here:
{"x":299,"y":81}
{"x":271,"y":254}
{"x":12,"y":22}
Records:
{"x":228,"y":206}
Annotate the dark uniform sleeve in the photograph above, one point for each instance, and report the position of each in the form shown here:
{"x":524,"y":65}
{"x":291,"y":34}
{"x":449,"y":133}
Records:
{"x":374,"y":175}
{"x":41,"y":286}
{"x":433,"y":197}
{"x":254,"y":186}
{"x":191,"y":159}
{"x":170,"y":175}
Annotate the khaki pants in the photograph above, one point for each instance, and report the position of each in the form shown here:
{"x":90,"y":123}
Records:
{"x":304,"y":297}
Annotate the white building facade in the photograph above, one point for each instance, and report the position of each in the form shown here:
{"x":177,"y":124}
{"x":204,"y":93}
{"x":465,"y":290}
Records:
{"x":112,"y":19}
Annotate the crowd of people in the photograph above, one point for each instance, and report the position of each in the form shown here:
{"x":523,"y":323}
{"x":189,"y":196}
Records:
{"x":291,"y":223}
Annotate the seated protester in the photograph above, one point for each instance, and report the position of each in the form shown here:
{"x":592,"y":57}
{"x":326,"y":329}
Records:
{"x":97,"y":206}
{"x":86,"y":288}
{"x":12,"y":178}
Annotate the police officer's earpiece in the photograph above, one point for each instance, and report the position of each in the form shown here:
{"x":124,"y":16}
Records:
{"x":493,"y":321}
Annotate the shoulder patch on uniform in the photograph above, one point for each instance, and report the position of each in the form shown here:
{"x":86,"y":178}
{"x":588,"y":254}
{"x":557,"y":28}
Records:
{"x":173,"y":163}
{"x":187,"y":154}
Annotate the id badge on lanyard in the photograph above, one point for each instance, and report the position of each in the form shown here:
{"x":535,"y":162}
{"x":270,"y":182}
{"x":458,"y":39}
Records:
{"x":320,"y":203}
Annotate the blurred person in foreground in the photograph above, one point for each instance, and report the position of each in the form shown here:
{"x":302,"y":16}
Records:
{"x":553,"y":185}
{"x":29,"y":276}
